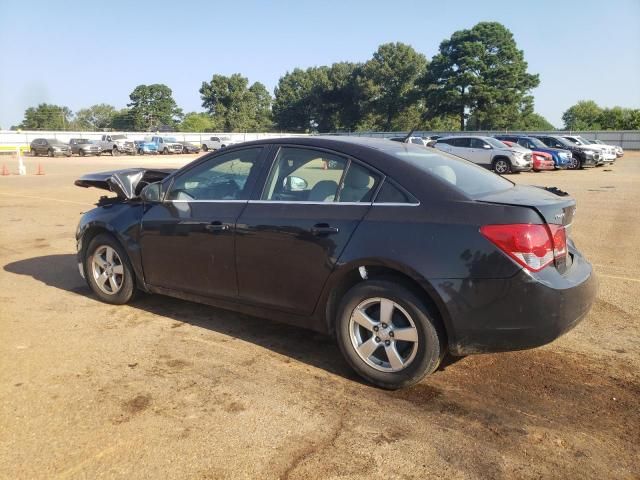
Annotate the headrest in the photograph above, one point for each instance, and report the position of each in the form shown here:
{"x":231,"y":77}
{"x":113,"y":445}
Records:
{"x":357,"y":177}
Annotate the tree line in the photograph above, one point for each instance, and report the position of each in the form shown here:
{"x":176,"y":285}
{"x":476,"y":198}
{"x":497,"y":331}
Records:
{"x":478,"y":80}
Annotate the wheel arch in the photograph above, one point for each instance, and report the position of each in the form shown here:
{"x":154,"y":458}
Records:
{"x":92,"y":230}
{"x":349,"y":275}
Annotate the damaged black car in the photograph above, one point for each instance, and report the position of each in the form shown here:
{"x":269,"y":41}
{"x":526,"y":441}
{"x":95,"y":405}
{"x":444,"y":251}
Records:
{"x":400,"y":252}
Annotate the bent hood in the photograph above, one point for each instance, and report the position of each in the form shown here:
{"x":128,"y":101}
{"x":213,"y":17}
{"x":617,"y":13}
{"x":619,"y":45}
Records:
{"x":127,"y":184}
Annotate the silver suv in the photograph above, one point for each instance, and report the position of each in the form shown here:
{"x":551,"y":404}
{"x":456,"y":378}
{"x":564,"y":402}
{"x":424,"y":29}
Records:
{"x":488,"y":152}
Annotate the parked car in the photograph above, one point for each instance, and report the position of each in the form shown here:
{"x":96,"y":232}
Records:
{"x":541,"y":160}
{"x":84,"y":146}
{"x":561,"y":158}
{"x":617,"y":148}
{"x":117,"y":144}
{"x":216,"y":143}
{"x":581,"y":156}
{"x":607,"y":152}
{"x":487,"y":152}
{"x":188,"y":147}
{"x":404,"y":253}
{"x":50,"y":147}
{"x":145,"y":148}
{"x":414,"y":140}
{"x":166,"y":145}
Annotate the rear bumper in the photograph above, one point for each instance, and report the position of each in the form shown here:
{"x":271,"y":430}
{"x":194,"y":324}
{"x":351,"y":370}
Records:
{"x":525,"y":311}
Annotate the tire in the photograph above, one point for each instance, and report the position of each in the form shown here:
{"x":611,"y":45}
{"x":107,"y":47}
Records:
{"x":574,"y":164}
{"x":123,"y":285}
{"x":140,"y":152}
{"x":501,"y":166}
{"x":415,"y":359}
{"x":34,"y":153}
{"x":115,"y":152}
{"x":205,"y":148}
{"x":165,"y":151}
{"x":82,"y":153}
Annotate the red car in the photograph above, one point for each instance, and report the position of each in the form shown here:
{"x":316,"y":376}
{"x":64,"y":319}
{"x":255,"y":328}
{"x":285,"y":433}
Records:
{"x":541,"y":160}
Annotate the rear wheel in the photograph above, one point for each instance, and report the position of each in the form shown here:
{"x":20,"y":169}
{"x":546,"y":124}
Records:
{"x":205,"y":148}
{"x":502,"y":166}
{"x":108,"y":270}
{"x":388,"y":335}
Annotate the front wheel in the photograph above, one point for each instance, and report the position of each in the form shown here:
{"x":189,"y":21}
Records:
{"x":388,"y":335}
{"x":501,"y":166}
{"x":205,"y":148}
{"x":108,"y":270}
{"x":115,"y":152}
{"x":574,"y":164}
{"x":50,"y":153}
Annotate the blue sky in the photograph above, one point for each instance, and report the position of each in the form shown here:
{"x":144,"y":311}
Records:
{"x":80,"y":53}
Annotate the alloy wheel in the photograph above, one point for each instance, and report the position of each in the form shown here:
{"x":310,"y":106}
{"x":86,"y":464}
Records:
{"x":107,"y":269}
{"x":383,"y":334}
{"x":501,"y":167}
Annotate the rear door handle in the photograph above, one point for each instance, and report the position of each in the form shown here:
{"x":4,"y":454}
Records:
{"x":216,"y":227}
{"x":323,"y":229}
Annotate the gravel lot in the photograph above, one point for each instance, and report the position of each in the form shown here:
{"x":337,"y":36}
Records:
{"x":164,"y":388}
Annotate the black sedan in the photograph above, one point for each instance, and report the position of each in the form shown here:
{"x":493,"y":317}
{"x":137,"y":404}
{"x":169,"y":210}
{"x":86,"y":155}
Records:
{"x":403,"y":253}
{"x":188,"y":147}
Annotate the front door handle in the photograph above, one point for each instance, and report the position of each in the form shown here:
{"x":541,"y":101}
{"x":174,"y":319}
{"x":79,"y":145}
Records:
{"x":216,"y":227}
{"x":323,"y":229}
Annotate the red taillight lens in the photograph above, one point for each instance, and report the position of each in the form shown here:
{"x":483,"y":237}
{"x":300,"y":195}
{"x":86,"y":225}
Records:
{"x":532,"y":246}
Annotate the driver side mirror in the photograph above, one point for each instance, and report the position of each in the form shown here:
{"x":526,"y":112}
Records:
{"x":152,"y":193}
{"x":486,"y":146}
{"x":294,"y":184}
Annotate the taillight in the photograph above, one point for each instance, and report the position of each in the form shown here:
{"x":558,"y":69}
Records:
{"x":532,"y":246}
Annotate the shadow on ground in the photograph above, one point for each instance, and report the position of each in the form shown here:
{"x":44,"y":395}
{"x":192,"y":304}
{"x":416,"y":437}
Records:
{"x":60,"y":271}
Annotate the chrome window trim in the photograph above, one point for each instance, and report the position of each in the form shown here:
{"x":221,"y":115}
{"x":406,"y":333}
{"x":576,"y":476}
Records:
{"x":205,"y":201}
{"x":396,"y":204}
{"x":289,"y":202}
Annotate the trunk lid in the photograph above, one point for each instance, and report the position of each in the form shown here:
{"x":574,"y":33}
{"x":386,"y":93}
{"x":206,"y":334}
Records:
{"x":126,"y":184}
{"x":554,"y":205}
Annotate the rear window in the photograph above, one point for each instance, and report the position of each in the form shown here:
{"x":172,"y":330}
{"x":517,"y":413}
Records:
{"x":468,"y":177}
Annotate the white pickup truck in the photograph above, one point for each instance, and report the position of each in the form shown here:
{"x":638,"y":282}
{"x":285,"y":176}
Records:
{"x":117,"y":144}
{"x":216,"y":143}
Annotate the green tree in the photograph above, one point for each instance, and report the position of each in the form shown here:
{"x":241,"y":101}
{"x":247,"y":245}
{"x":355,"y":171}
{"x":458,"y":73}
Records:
{"x":233,"y":105}
{"x":261,"y":99}
{"x":196,"y":122}
{"x":297,"y":105}
{"x":122,"y":120}
{"x":152,"y":106}
{"x":96,"y":117}
{"x":584,"y":115}
{"x":389,"y":82}
{"x":46,"y":117}
{"x":480,"y":72}
{"x":533,"y":122}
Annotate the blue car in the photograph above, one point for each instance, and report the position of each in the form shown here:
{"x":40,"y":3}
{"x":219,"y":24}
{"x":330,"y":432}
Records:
{"x":143,"y":147}
{"x":561,"y":158}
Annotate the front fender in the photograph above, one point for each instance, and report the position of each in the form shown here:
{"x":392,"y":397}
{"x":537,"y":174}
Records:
{"x":122,"y":220}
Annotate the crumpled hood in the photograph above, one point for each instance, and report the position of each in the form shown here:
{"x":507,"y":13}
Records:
{"x":127,"y":184}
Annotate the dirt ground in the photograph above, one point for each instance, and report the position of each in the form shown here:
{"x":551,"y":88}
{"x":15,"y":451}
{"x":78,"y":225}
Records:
{"x":164,"y":388}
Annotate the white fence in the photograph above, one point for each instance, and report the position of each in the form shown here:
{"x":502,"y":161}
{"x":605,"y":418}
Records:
{"x":627,"y":139}
{"x":9,"y":139}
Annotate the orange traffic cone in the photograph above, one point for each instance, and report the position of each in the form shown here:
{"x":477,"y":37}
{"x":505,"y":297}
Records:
{"x":40,"y":170}
{"x":5,"y":170}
